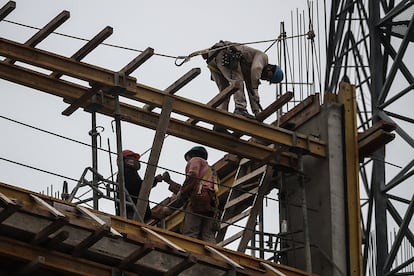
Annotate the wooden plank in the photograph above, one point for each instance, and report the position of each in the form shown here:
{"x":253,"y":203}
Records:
{"x":129,"y":68}
{"x":64,"y":65}
{"x":163,"y":239}
{"x":157,"y":144}
{"x":182,"y":266}
{"x":231,"y":239}
{"x":249,"y":176}
{"x":217,"y":100}
{"x":224,"y":257}
{"x":138,"y":61}
{"x":177,"y":85}
{"x":51,"y":209}
{"x":88,"y":47}
{"x":381,"y":124}
{"x":273,"y":107}
{"x":347,"y":97}
{"x":48,"y":230}
{"x":44,"y":32}
{"x":81,"y":101}
{"x":287,"y":120}
{"x":153,"y":96}
{"x":70,"y":92}
{"x":272,"y":269}
{"x":54,"y":260}
{"x":244,"y":196}
{"x":136,"y":255}
{"x":129,"y":229}
{"x":7,"y":9}
{"x":373,"y":142}
{"x":10,"y":207}
{"x":257,"y":207}
{"x":234,"y":219}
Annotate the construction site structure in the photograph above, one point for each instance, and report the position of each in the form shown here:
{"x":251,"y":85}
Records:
{"x":311,"y":155}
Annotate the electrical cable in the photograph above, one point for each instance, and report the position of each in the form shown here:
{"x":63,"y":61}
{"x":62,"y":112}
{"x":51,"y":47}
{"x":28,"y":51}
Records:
{"x":274,"y":40}
{"x":84,"y":39}
{"x":37,"y":169}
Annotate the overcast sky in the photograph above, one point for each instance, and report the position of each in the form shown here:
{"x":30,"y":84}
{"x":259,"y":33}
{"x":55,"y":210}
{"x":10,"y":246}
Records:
{"x":172,"y":28}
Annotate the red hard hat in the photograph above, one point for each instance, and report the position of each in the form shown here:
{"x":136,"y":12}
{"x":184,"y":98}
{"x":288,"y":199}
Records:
{"x":127,"y":153}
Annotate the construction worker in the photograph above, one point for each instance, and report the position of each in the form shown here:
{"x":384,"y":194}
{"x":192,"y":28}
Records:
{"x":241,"y":65}
{"x":198,"y":194}
{"x":133,"y":182}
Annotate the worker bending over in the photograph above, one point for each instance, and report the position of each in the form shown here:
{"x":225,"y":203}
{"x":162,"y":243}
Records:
{"x":241,"y":65}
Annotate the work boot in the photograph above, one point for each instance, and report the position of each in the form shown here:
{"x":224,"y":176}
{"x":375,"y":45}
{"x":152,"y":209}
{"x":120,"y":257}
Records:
{"x":243,"y":112}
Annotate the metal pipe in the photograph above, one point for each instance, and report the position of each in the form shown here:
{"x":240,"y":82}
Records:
{"x":306,"y":237}
{"x":121,"y":178}
{"x":93,"y":133}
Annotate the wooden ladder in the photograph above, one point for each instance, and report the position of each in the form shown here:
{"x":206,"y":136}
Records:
{"x":251,"y":184}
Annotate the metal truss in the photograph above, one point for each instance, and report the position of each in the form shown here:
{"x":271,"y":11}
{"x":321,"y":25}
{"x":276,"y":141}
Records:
{"x":371,"y":44}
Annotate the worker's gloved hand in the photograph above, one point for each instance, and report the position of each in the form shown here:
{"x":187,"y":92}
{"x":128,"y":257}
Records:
{"x":166,"y":177}
{"x":161,"y":212}
{"x":158,"y":178}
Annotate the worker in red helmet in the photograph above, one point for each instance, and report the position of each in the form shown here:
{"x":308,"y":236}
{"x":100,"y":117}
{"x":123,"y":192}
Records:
{"x":133,"y":182}
{"x":241,"y":65}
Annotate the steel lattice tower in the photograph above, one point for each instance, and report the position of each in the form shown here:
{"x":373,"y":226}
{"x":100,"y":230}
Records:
{"x":371,"y":43}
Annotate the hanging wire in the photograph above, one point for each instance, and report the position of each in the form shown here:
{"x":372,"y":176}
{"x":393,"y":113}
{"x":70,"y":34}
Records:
{"x":75,"y":180}
{"x":85,"y":144}
{"x":37,"y":169}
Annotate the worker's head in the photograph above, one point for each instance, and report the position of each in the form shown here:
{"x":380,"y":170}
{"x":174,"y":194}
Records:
{"x":197,"y":151}
{"x":131,"y":159}
{"x":272,"y":73}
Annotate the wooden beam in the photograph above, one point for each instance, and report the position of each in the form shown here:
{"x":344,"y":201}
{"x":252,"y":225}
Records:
{"x":70,"y":92}
{"x":237,"y":123}
{"x":138,"y":61}
{"x":136,"y":255}
{"x":7,"y":9}
{"x":153,"y":96}
{"x":129,"y":229}
{"x":157,"y":143}
{"x":81,"y":101}
{"x":272,"y":108}
{"x":381,"y":124}
{"x":347,"y":97}
{"x":300,"y":113}
{"x":89,"y":47}
{"x":45,"y":31}
{"x":10,"y":207}
{"x":64,"y":65}
{"x":217,"y":100}
{"x":377,"y":139}
{"x":177,"y":85}
{"x":53,"y":260}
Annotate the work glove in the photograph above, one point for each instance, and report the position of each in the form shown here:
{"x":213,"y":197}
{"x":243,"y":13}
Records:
{"x":166,"y":177}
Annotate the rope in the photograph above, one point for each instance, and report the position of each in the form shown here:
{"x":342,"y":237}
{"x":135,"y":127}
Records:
{"x":208,"y":50}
